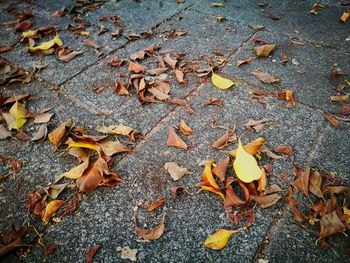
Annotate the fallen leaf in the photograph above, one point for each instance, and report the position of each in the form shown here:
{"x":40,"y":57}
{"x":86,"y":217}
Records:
{"x":302,"y":181}
{"x":170,"y":61}
{"x":19,"y":113}
{"x":216,"y":4}
{"x":289,"y":96}
{"x":265,"y":77}
{"x":23,"y":25}
{"x":253,"y":147}
{"x":179,"y":76}
{"x":153,"y":206}
{"x":208,"y":178}
{"x":138,"y":55}
{"x":15,"y":164}
{"x":213,"y":190}
{"x":331,"y":224}
{"x":156,"y":71}
{"x":220,"y":82}
{"x":184,"y":128}
{"x":256,"y":125}
{"x":135,"y":67}
{"x":4,"y":133}
{"x":315,"y":183}
{"x":175,"y":141}
{"x":337,"y":73}
{"x":92,"y":176}
{"x":40,"y":134}
{"x":91,"y":42}
{"x":293,"y":204}
{"x":75,"y":172}
{"x":264,"y":50}
{"x":269,"y":153}
{"x":174,"y":190}
{"x":46,"y":45}
{"x":256,"y":27}
{"x":91,"y":253}
{"x":51,"y":209}
{"x":120,"y":88}
{"x":262,"y":182}
{"x":53,"y":191}
{"x":110,"y":148}
{"x":176,"y":172}
{"x":5,"y":48}
{"x":228,"y":138}
{"x":221,"y":169}
{"x":219,"y":239}
{"x":28,"y":34}
{"x":216,"y":102}
{"x":58,"y":134}
{"x":342,"y":98}
{"x":345,"y":16}
{"x":266,"y":200}
{"x":245,"y":165}
{"x":43,"y":117}
{"x":231,"y":198}
{"x":68,"y":57}
{"x":23,"y":136}
{"x":150,"y":234}
{"x":246,"y":61}
{"x":129,"y":253}
{"x":285,"y":149}
{"x":120,"y":129}
{"x":332,"y":120}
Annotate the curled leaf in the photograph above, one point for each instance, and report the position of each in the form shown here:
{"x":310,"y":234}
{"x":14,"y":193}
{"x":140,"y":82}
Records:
{"x":153,"y":206}
{"x":51,"y":209}
{"x":91,"y":253}
{"x":264,"y":50}
{"x":110,"y":148}
{"x":46,"y":45}
{"x":57,"y":135}
{"x":176,"y":172}
{"x":175,"y":141}
{"x":150,"y":234}
{"x":266,"y":200}
{"x":331,"y":224}
{"x":76,"y":172}
{"x":228,"y":138}
{"x":184,"y":128}
{"x":19,"y":113}
{"x":253,"y":147}
{"x":245,"y":165}
{"x":219,"y":239}
{"x":135,"y":67}
{"x":28,"y":34}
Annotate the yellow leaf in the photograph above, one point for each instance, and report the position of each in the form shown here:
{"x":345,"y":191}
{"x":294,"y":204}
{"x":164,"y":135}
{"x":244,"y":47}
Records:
{"x":207,"y":176}
{"x":216,"y":4}
{"x":28,"y":34}
{"x":47,"y":45}
{"x":84,"y":144}
{"x":318,"y":5}
{"x":345,"y":16}
{"x":84,"y":33}
{"x":51,"y":209}
{"x":213,"y":190}
{"x":245,"y":165}
{"x":74,"y":173}
{"x":221,"y":82}
{"x":219,"y":239}
{"x":347,"y":212}
{"x":313,"y":11}
{"x":253,"y":147}
{"x":19,"y":114}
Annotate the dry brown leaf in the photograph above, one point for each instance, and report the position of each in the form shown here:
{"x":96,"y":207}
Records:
{"x":110,"y":148}
{"x":256,"y":27}
{"x":92,"y":176}
{"x":91,"y":253}
{"x":91,"y":42}
{"x":293,"y":203}
{"x":5,"y":48}
{"x":41,"y":134}
{"x":51,"y":209}
{"x":170,"y":61}
{"x":135,"y":67}
{"x":4,"y":133}
{"x":228,"y":138}
{"x":285,"y":149}
{"x":120,"y":88}
{"x":153,"y":206}
{"x":302,"y":181}
{"x":15,"y":164}
{"x":150,"y":234}
{"x":176,"y":172}
{"x":269,"y":153}
{"x":315,"y":183}
{"x":43,"y":117}
{"x":138,"y":55}
{"x":345,"y":16}
{"x":58,"y":134}
{"x":342,"y":98}
{"x":231,"y":198}
{"x":174,"y":190}
{"x":68,"y":57}
{"x":179,"y":76}
{"x":256,"y":125}
{"x":331,"y":224}
{"x":262,"y":182}
{"x":246,"y":61}
{"x":175,"y":141}
{"x":265,"y":77}
{"x":156,"y":71}
{"x":264,"y":50}
{"x":332,"y":120}
{"x":266,"y":200}
{"x":216,"y":102}
{"x":183,"y":127}
{"x":158,"y":93}
{"x":221,"y":169}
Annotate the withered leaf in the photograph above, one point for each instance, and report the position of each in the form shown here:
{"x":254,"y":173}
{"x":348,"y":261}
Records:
{"x":51,"y":209}
{"x":176,"y":172}
{"x":4,"y":133}
{"x":315,"y":183}
{"x":293,"y":203}
{"x":175,"y":141}
{"x":337,"y":73}
{"x":285,"y":149}
{"x":41,"y":134}
{"x":23,"y":136}
{"x":174,"y":190}
{"x":266,"y":200}
{"x":91,"y":42}
{"x":79,"y":153}
{"x":170,"y":61}
{"x":158,"y":93}
{"x":53,"y":191}
{"x":269,"y":153}
{"x":135,"y":67}
{"x":331,"y":224}
{"x":179,"y":76}
{"x":342,"y":98}
{"x":5,"y":48}
{"x":184,"y":128}
{"x":15,"y":164}
{"x":156,"y":71}
{"x":332,"y":120}
{"x":23,"y":25}
{"x":43,"y":117}
{"x":231,"y":198}
{"x":91,"y":253}
{"x":110,"y":148}
{"x":150,"y":234}
{"x":345,"y":16}
{"x":216,"y":102}
{"x":245,"y":61}
{"x":138,"y":55}
{"x":58,"y":134}
{"x":302,"y":181}
{"x":265,"y":77}
{"x":68,"y":57}
{"x":262,"y":182}
{"x":256,"y":125}
{"x":153,"y":206}
{"x":228,"y":138}
{"x":221,"y":169}
{"x":92,"y":176}
{"x":264,"y":50}
{"x":256,"y":27}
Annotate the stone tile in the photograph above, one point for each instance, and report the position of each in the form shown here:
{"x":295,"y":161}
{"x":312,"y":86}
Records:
{"x":309,"y":74}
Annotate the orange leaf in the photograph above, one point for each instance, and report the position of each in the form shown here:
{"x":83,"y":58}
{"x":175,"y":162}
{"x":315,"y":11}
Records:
{"x":264,"y":50}
{"x":213,"y":190}
{"x":221,"y":169}
{"x":184,"y":128}
{"x":302,"y":182}
{"x":231,"y":198}
{"x":92,"y":176}
{"x":175,"y":141}
{"x":253,"y":147}
{"x":57,"y":135}
{"x":150,"y":234}
{"x":51,"y":209}
{"x":155,"y":205}
{"x":262,"y":182}
{"x":135,"y":67}
{"x":207,"y":176}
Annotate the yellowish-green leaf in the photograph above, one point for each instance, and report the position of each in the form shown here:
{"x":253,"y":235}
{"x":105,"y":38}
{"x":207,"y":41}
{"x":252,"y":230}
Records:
{"x":216,"y":4}
{"x":19,"y":113}
{"x":220,"y":82}
{"x":47,"y":45}
{"x":219,"y":239}
{"x":28,"y":34}
{"x":74,"y":173}
{"x":84,"y":144}
{"x":245,"y":165}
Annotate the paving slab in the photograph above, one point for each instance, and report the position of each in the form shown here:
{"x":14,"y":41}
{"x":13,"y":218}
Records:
{"x":295,"y":19}
{"x":307,"y":72}
{"x":190,"y":218}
